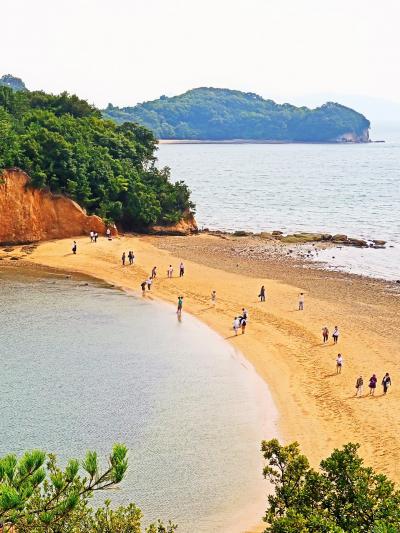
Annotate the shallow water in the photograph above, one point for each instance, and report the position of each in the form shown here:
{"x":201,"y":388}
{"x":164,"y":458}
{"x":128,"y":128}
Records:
{"x":86,"y":366}
{"x":351,"y":189}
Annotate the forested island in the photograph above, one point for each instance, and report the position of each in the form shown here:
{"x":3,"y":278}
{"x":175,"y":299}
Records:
{"x":65,"y":145}
{"x":213,"y":114}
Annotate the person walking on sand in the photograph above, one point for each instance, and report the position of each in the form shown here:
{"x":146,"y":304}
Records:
{"x":339,"y":363}
{"x":262,"y":294}
{"x":170,"y":271}
{"x":213,"y":298}
{"x":180,"y":306}
{"x":301,"y":301}
{"x":243,"y":325}
{"x":359,"y":386}
{"x":325,"y":334}
{"x":74,"y":247}
{"x":96,"y":235}
{"x":386,"y":381}
{"x":335,"y":335}
{"x":236,"y":325}
{"x":372,"y":384}
{"x":130,"y":257}
{"x":154,"y":273}
{"x":91,"y":235}
{"x":143,"y":285}
{"x":149,"y":281}
{"x":181,"y":269}
{"x":123,"y":259}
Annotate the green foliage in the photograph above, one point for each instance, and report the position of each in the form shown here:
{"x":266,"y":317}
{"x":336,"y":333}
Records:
{"x":64,"y":145}
{"x":39,"y":497}
{"x":217,"y":114}
{"x":344,"y":496}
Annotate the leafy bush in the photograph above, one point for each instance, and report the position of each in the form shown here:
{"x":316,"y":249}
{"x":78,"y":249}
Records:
{"x":344,"y":496}
{"x":64,"y":145}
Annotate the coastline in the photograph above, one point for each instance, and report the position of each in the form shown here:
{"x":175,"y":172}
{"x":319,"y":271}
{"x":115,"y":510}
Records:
{"x":255,"y":141}
{"x":282,"y":344}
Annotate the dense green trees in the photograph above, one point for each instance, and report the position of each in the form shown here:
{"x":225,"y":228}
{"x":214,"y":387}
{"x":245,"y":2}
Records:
{"x":37,"y":496}
{"x":64,"y":144}
{"x":222,"y":114}
{"x":344,"y":496}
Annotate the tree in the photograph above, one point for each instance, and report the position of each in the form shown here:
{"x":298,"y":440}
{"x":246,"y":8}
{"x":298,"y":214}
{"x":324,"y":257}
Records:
{"x":344,"y":496}
{"x":37,"y":496}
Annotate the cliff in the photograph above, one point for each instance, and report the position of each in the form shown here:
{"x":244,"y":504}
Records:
{"x":186,"y":226}
{"x":28,"y":214}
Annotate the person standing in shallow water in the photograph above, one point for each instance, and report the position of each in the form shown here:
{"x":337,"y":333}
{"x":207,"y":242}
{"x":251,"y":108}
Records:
{"x":180,"y":306}
{"x":359,"y":386}
{"x":372,"y":384}
{"x":386,"y":381}
{"x":74,"y":247}
{"x":262,"y":294}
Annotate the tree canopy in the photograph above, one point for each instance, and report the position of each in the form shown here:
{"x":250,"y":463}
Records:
{"x":37,"y":496}
{"x":223,"y":114}
{"x":8,"y":80}
{"x":343,"y":496}
{"x":65,"y":145}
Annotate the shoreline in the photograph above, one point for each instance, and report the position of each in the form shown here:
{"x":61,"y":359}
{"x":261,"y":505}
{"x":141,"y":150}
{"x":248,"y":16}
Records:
{"x":258,"y":141}
{"x":281,"y":343}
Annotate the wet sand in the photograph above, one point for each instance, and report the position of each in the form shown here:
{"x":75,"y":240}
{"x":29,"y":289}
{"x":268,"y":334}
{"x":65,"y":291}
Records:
{"x":316,"y":406}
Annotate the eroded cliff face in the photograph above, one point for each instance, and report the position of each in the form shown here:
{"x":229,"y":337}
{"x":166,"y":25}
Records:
{"x":29,"y":215}
{"x":186,"y":226}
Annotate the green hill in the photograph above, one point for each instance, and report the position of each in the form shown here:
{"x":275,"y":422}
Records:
{"x":11,"y":81}
{"x":223,"y":114}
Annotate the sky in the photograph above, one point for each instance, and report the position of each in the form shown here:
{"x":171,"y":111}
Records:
{"x":129,"y":51}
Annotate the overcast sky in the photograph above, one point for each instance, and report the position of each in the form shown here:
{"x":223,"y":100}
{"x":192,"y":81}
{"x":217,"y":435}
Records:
{"x":128,"y":51}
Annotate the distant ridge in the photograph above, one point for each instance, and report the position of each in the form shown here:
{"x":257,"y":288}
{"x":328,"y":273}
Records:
{"x":208,"y":113}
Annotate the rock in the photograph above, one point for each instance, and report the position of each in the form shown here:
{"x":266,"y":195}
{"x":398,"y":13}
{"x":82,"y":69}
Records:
{"x":186,"y":226}
{"x":359,"y":243}
{"x":378,"y":242}
{"x":339,"y":238}
{"x":326,"y":237}
{"x":266,"y":235}
{"x":29,"y":215}
{"x":276,"y":233}
{"x":241,"y":233}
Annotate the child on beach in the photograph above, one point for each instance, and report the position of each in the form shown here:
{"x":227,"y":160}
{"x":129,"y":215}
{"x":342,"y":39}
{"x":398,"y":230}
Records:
{"x":213,"y":298}
{"x":325,"y":334}
{"x":301,"y":301}
{"x":372,"y":384}
{"x":335,"y":335}
{"x":386,"y":381}
{"x":359,"y":386}
{"x":339,"y":363}
{"x":236,"y":325}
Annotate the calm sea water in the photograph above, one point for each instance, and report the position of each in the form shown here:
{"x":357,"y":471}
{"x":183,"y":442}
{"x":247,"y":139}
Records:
{"x":351,"y":189}
{"x":86,"y":366}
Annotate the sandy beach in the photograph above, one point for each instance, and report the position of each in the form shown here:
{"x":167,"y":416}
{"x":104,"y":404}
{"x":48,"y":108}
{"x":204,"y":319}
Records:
{"x":316,"y":406}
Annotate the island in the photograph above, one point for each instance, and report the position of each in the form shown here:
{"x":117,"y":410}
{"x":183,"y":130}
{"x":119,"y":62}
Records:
{"x":217,"y":115}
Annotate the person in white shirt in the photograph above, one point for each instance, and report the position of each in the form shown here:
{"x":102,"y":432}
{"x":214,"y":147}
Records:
{"x":335,"y":335}
{"x":170,"y":271}
{"x":91,"y":236}
{"x":301,"y":301}
{"x":339,"y":363}
{"x":149,"y":281}
{"x":236,"y":325}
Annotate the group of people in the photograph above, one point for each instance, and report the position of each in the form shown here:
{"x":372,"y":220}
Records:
{"x":325,"y":334}
{"x":93,"y":236}
{"x":131,"y":258}
{"x":149,"y":281}
{"x":373,"y":381}
{"x":240,"y":322}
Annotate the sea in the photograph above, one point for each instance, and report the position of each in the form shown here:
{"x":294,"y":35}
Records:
{"x":351,"y":189}
{"x":84,"y":365}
